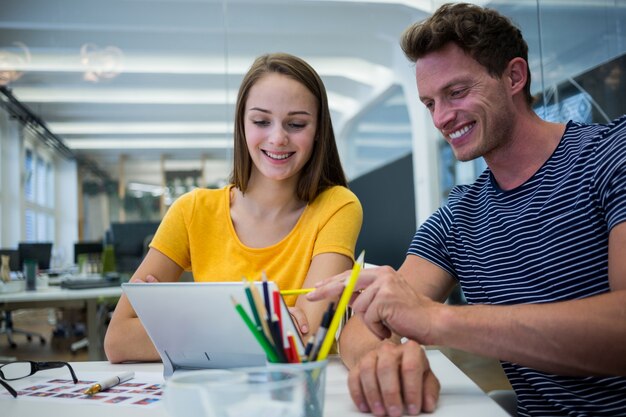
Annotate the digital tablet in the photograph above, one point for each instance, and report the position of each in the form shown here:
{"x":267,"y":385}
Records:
{"x":194,"y":325}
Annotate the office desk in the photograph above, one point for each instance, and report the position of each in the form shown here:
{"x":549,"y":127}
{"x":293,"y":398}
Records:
{"x":60,"y":297}
{"x":459,"y":394}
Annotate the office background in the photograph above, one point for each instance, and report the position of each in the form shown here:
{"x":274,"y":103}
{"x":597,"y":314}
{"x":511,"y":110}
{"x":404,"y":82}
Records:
{"x":110,"y":110}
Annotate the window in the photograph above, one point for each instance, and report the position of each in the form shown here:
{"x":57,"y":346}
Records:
{"x":38,"y":196}
{"x":378,"y":136}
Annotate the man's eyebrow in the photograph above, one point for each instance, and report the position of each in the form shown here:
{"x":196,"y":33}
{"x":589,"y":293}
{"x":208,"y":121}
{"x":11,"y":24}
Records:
{"x":448,"y":86}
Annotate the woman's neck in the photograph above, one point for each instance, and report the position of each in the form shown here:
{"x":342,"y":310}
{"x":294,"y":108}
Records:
{"x":268,"y":199}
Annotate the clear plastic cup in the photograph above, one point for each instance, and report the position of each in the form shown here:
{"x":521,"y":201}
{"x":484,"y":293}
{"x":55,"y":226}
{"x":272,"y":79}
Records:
{"x":237,"y":392}
{"x":314,"y":374}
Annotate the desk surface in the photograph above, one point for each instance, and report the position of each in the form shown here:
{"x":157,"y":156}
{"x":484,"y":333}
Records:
{"x":459,"y":394}
{"x":59,"y":297}
{"x":59,"y":294}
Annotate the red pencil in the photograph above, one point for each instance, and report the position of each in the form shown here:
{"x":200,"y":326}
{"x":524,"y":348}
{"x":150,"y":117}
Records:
{"x":292,"y":346}
{"x":276,"y":305}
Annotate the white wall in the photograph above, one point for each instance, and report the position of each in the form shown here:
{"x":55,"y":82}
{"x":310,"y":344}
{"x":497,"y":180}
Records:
{"x":10,"y":195}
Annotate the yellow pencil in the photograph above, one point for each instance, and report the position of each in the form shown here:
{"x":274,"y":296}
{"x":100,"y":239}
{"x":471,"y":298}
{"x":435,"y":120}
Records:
{"x":341,"y":308}
{"x":298,"y":291}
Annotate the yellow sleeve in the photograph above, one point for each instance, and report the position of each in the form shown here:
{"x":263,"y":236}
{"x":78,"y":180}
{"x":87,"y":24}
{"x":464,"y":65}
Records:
{"x":344,"y":216}
{"x":172,"y":236}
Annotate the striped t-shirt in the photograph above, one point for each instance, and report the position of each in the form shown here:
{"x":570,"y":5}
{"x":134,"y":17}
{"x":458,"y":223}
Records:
{"x":544,"y":241}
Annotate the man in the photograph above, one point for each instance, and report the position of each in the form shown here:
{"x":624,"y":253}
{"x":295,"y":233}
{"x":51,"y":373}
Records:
{"x":537,"y":242}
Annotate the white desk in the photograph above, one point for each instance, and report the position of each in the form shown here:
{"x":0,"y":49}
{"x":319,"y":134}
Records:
{"x":459,"y":394}
{"x":60,"y":297}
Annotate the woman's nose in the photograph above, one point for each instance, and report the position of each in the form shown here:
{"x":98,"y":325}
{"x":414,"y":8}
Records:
{"x":279,"y":137}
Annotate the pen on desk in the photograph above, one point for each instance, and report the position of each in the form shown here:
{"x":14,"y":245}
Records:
{"x":109,"y":383}
{"x":297,"y":291}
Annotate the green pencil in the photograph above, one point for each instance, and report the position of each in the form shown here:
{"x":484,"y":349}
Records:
{"x":253,"y":308}
{"x":256,"y":332}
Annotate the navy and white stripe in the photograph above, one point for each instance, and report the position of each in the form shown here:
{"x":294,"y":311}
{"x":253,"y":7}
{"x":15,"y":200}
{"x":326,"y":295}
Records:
{"x":544,"y":241}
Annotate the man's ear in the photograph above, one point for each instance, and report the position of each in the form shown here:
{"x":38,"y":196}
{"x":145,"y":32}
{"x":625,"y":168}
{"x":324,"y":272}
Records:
{"x":517,"y":74}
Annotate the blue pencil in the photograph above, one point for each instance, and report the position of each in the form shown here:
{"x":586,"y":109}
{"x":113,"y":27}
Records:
{"x":266,"y":295}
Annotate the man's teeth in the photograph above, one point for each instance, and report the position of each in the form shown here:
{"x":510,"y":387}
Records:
{"x":277,"y":155}
{"x":460,"y":132}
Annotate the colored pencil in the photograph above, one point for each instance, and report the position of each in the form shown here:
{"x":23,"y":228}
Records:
{"x":292,"y":347}
{"x":277,"y":310}
{"x":266,"y":295}
{"x":297,"y":291}
{"x":253,"y":308}
{"x":256,"y":332}
{"x":260,"y":308}
{"x":341,"y":308}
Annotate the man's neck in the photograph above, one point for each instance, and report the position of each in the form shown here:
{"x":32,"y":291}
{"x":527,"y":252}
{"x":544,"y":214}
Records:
{"x":533,"y":142}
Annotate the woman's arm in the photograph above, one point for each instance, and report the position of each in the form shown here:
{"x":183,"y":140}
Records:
{"x":322,"y":266}
{"x":126,"y":339}
{"x":335,"y":243}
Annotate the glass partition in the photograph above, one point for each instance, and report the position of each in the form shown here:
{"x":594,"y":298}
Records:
{"x":577,"y":61}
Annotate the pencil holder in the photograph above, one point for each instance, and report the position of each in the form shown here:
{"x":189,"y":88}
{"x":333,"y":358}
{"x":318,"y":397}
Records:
{"x":258,"y":391}
{"x":314,"y":374}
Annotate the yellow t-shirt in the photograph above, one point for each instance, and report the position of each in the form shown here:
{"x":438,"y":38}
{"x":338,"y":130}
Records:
{"x":197,"y":233}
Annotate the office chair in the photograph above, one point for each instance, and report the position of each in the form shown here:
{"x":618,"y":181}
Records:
{"x":6,"y":317}
{"x":8,"y":329}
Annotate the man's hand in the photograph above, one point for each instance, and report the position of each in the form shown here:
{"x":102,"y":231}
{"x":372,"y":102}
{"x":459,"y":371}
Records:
{"x":393,"y":380}
{"x":390,"y":305}
{"x":386,"y":303}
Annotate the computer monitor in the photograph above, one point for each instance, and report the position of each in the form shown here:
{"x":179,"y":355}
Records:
{"x":14,"y":258}
{"x":88,"y":248}
{"x":129,"y":243}
{"x":40,"y":251}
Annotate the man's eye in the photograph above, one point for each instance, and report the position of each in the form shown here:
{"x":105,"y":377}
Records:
{"x":457,"y":93}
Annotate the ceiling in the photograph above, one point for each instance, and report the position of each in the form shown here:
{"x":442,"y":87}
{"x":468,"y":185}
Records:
{"x":156,"y":80}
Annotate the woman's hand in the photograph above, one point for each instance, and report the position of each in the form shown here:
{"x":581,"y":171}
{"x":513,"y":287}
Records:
{"x":148,"y":278}
{"x":300,"y":320}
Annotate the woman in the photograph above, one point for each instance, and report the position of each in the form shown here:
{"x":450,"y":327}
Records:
{"x":287,"y":212}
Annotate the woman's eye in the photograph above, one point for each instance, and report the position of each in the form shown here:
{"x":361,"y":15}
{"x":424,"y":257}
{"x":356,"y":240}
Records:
{"x":297,"y":125}
{"x":260,"y":122}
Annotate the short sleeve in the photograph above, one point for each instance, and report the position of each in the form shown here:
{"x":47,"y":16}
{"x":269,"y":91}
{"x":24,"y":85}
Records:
{"x":611,"y":177}
{"x":172,"y":236}
{"x":429,"y":241}
{"x":343,"y":217}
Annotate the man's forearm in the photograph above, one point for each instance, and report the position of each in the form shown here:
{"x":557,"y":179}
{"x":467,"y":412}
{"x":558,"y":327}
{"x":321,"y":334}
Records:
{"x":578,"y":337}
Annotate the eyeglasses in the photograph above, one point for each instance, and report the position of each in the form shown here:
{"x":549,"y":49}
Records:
{"x":22,"y":369}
